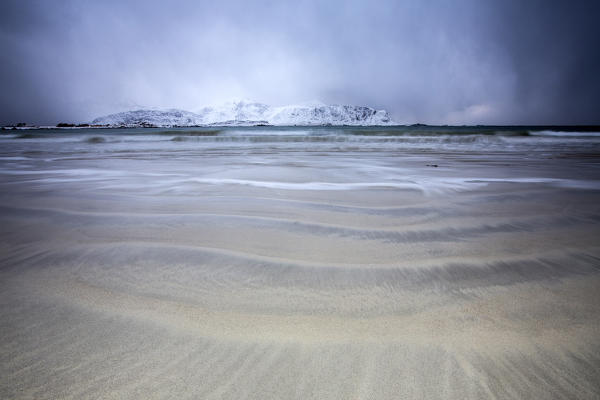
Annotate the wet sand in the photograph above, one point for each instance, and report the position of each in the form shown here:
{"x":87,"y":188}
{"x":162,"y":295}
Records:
{"x":138,"y":283}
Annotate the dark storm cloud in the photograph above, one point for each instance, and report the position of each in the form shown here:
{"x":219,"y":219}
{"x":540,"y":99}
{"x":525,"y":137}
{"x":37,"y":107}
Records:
{"x":430,"y":61}
{"x":553,"y":47}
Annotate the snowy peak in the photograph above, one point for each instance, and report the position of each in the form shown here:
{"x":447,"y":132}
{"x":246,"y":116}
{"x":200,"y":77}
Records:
{"x":252,"y":113}
{"x":143,"y":118}
{"x":234,"y":111}
{"x":328,"y":115}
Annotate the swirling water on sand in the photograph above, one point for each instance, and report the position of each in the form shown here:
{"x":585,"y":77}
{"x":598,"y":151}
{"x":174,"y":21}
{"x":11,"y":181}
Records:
{"x":280,"y":263}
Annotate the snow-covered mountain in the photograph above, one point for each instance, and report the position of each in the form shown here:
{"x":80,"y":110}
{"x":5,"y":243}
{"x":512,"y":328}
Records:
{"x":149,"y":117}
{"x":251,"y":113}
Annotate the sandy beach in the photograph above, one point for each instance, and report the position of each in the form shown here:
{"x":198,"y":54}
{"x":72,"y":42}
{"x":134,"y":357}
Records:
{"x":228,"y":267}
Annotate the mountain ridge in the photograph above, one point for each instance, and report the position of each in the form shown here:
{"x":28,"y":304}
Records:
{"x":250,"y":113}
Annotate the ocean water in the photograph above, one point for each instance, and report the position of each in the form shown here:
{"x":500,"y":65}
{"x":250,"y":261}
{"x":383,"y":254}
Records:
{"x":300,"y":262}
{"x":190,"y":160}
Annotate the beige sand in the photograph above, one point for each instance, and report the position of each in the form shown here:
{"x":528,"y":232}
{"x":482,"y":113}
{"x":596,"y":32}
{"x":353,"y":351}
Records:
{"x":301,"y":295}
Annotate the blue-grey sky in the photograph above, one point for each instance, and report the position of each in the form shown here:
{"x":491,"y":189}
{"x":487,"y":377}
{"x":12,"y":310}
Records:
{"x":430,"y":61}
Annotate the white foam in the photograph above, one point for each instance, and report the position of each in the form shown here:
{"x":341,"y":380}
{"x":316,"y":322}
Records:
{"x":424,"y":184}
{"x":566,"y":183}
{"x":565,"y":134}
{"x":299,"y":185}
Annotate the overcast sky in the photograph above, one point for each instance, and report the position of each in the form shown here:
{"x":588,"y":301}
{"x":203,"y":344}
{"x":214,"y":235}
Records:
{"x":453,"y":61}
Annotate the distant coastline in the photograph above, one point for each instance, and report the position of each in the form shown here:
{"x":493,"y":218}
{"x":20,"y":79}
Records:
{"x":417,"y":126}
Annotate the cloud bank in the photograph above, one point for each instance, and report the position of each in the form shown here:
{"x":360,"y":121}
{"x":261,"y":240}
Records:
{"x":457,"y":62}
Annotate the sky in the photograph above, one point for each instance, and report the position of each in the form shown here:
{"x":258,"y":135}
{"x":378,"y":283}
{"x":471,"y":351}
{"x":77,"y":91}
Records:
{"x":425,"y":61}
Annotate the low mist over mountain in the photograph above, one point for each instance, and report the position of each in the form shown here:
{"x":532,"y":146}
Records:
{"x":251,"y":113}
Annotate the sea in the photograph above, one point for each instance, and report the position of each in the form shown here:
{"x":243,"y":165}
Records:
{"x":190,"y":161}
